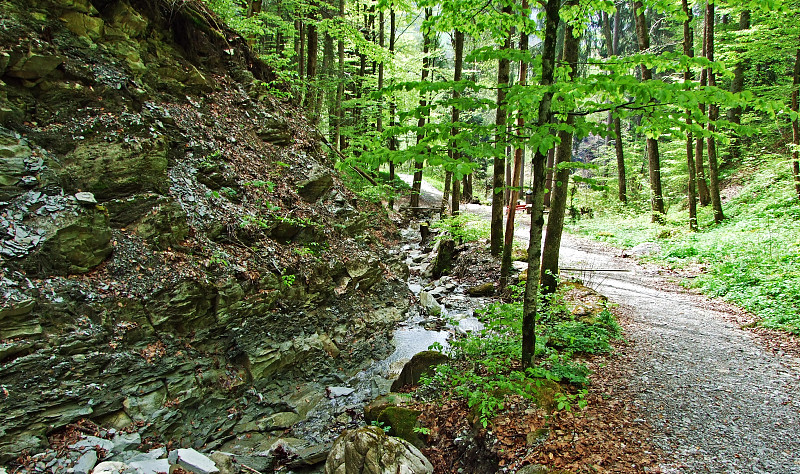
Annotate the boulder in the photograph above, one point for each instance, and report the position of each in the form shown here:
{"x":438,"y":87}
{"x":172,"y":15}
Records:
{"x":192,"y":461}
{"x":368,"y":450}
{"x":429,"y":303}
{"x":484,"y":289}
{"x":35,"y":66}
{"x":419,"y":365}
{"x":85,"y":463}
{"x":150,"y":466}
{"x":319,"y":181}
{"x":402,"y":422}
{"x":110,"y":467}
{"x":443,"y":262}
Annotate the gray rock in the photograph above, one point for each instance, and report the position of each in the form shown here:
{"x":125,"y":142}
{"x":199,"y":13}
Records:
{"x":85,"y":463}
{"x":336,"y":392}
{"x":319,"y":181}
{"x":126,"y":441}
{"x":429,"y":302}
{"x":110,"y":467}
{"x":193,"y":461}
{"x":369,"y":450}
{"x":91,"y":442}
{"x":153,"y":466}
{"x":85,"y":198}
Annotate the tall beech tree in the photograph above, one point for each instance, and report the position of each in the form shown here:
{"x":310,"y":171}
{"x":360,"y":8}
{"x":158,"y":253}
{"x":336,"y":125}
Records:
{"x":688,"y":50}
{"x":558,"y":195}
{"x":530,"y":308}
{"x":501,"y":122}
{"x":653,"y":157}
{"x":713,"y":115}
{"x":796,"y":124}
{"x":416,"y":186}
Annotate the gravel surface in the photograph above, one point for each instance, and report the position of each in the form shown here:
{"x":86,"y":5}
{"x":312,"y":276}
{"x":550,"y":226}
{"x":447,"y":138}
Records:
{"x":717,"y":400}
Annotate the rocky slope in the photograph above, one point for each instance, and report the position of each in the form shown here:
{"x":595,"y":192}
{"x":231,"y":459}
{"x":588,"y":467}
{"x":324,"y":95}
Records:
{"x":178,"y":257}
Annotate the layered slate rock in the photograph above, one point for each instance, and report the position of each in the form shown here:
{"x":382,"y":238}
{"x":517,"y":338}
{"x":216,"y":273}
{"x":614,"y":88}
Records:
{"x":368,"y":450}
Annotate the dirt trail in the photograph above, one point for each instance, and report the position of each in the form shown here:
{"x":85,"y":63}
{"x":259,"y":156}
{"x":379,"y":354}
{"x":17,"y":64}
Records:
{"x":717,"y":400}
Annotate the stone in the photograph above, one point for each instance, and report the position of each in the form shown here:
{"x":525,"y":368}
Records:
{"x":15,"y":322}
{"x":402,"y":422}
{"x":35,"y":66}
{"x":279,"y":421}
{"x":127,"y":20}
{"x":484,"y":289}
{"x":114,"y":170}
{"x":443,"y":262}
{"x":126,"y":442}
{"x":87,"y":199}
{"x":419,"y":365}
{"x":92,"y":442}
{"x":152,"y":466}
{"x":319,"y":181}
{"x":83,"y":25}
{"x":191,"y":460}
{"x":310,"y":456}
{"x":71,"y":244}
{"x":368,"y":450}
{"x":429,"y":303}
{"x":85,"y":463}
{"x":110,"y":467}
{"x":336,"y":392}
{"x":165,"y":226}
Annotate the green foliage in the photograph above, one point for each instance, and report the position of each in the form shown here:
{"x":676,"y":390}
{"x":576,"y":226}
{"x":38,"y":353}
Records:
{"x":386,"y":428}
{"x":288,"y":280}
{"x":465,"y":227}
{"x":485,"y":367}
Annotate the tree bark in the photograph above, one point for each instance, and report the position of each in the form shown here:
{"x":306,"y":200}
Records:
{"x":505,"y":266}
{"x":458,"y":67}
{"x":531,"y":299}
{"x":653,"y":158}
{"x":796,"y":125}
{"x":688,"y":50}
{"x":393,"y":145}
{"x":339,"y":141}
{"x":498,"y":174}
{"x":416,"y":187}
{"x":713,"y":115}
{"x":702,"y":185}
{"x":734,"y":114}
{"x":558,"y":196}
{"x":551,"y":163}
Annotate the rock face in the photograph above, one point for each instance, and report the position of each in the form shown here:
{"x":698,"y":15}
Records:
{"x":151,"y":277}
{"x":369,"y":450}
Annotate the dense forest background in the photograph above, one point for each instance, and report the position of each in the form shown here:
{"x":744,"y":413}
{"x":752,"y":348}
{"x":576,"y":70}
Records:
{"x":660,"y":118}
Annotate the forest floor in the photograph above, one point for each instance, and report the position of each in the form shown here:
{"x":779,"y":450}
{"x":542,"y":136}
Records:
{"x":706,"y":394}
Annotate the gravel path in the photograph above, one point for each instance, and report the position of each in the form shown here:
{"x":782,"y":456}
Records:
{"x":717,"y":400}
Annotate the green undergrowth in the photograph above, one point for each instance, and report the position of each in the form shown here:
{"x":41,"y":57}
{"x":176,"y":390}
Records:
{"x":752,"y":259}
{"x":485,"y":366}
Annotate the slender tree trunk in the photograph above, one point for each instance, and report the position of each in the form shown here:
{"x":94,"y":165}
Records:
{"x":416,"y":187}
{"x":498,"y":181}
{"x":617,"y":31}
{"x":688,"y":50}
{"x":339,"y":141}
{"x":531,"y":299}
{"x":702,"y":184}
{"x":392,"y":105}
{"x":551,"y":163}
{"x":614,"y":124}
{"x":653,"y":158}
{"x":796,"y":125}
{"x":328,"y":95}
{"x":505,"y":266}
{"x":713,"y":115}
{"x":458,"y":67}
{"x":467,"y":193}
{"x":734,"y":114}
{"x":312,"y":39}
{"x":558,"y":196}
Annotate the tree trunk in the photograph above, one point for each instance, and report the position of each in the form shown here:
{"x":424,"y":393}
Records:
{"x":558,"y":196}
{"x":312,"y":39}
{"x":498,"y":181}
{"x":702,"y":185}
{"x":653,"y":158}
{"x":713,"y":115}
{"x":392,"y":105}
{"x":615,"y":126}
{"x":551,"y":163}
{"x":467,"y":191}
{"x":458,"y":67}
{"x":531,"y":299}
{"x":339,"y":142}
{"x":688,"y":50}
{"x":734,"y":114}
{"x":796,"y":125}
{"x":416,"y":187}
{"x":505,"y":266}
